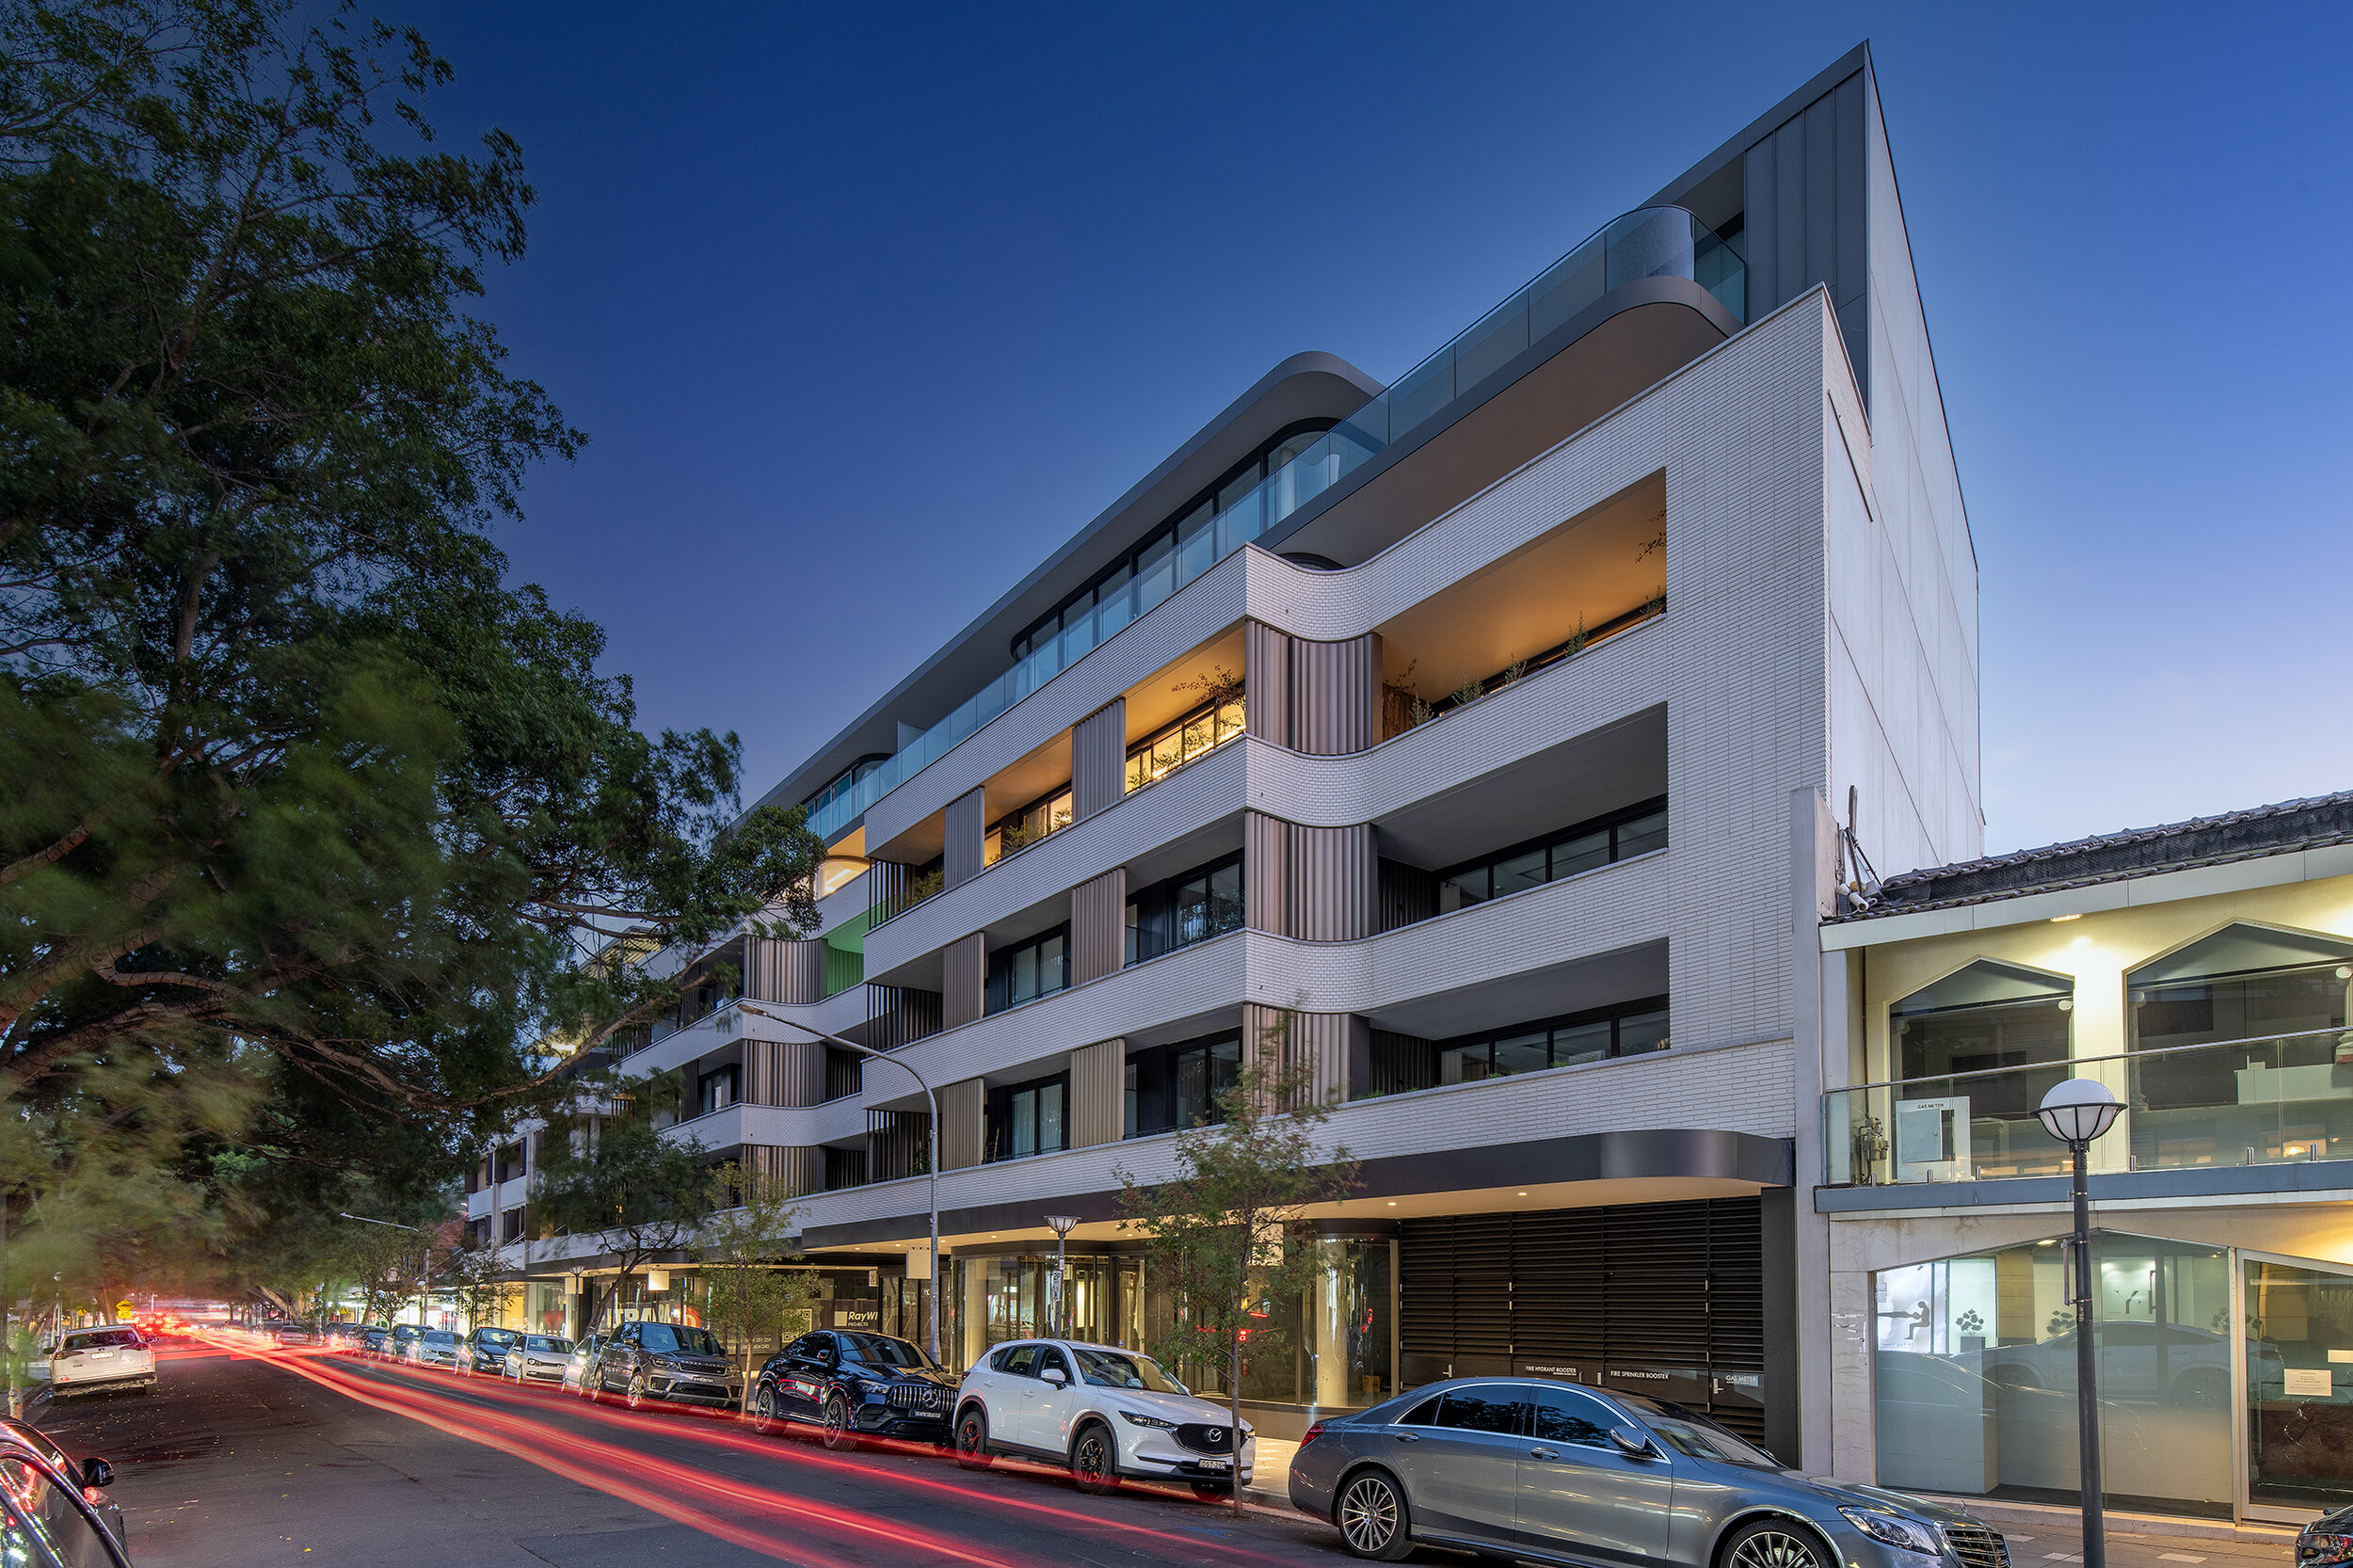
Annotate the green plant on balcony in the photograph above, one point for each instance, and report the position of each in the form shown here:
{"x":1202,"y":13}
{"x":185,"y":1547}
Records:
{"x":920,"y":887}
{"x":1468,"y":692}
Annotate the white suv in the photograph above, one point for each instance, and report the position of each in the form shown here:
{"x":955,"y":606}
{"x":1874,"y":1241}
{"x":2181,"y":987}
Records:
{"x":1105,"y":1411}
{"x":88,"y":1359}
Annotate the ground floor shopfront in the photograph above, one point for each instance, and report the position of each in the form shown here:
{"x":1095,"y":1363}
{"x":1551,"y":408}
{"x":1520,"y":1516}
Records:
{"x":2223,"y":1342}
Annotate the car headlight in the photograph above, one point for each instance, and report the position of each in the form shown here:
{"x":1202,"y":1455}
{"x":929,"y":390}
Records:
{"x":1890,"y":1530}
{"x":1133,"y":1420}
{"x":2320,"y":1548}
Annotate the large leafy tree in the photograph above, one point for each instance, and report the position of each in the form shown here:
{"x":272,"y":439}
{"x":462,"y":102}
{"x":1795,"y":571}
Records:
{"x":294,"y":783}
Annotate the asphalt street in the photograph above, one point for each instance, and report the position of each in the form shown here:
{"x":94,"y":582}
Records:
{"x":243,"y":1458}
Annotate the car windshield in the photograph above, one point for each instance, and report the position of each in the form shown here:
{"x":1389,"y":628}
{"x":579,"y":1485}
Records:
{"x":1124,"y":1370}
{"x":496,"y":1336}
{"x":102,"y":1339}
{"x":670,"y":1339}
{"x":548,"y":1343}
{"x":439,"y":1336}
{"x":882,"y":1350}
{"x":1697,"y":1435}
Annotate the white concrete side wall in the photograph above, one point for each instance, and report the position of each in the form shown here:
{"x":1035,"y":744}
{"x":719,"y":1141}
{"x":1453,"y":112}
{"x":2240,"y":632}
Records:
{"x":1903,"y":579}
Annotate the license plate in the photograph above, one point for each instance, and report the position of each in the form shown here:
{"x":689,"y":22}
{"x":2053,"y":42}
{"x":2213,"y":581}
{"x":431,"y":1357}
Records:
{"x":1216,"y":1464}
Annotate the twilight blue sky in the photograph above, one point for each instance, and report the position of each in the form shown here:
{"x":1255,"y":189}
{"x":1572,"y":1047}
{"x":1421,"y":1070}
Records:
{"x":865,"y":309}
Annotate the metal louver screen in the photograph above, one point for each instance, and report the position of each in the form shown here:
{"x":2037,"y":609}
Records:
{"x":1669,"y":1296}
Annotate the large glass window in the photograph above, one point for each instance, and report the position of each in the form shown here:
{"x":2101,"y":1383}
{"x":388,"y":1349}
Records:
{"x":1975,"y":1375}
{"x":1622,"y":1029}
{"x":2300,"y":1386}
{"x":1192,"y":908}
{"x":1022,"y":828}
{"x":1193,"y":737}
{"x":1027,"y":970}
{"x":1173,"y":1087}
{"x":1985,"y":1016}
{"x":1027,"y":1118}
{"x":1619,"y":835}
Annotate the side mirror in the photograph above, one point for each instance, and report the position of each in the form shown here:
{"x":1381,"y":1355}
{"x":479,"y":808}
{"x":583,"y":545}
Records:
{"x":1633,"y":1442}
{"x":97,"y":1472}
{"x":1054,"y":1375}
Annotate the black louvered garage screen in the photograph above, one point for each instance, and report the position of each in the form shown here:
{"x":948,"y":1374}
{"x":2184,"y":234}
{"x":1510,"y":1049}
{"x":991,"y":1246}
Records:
{"x":1664,"y":1299}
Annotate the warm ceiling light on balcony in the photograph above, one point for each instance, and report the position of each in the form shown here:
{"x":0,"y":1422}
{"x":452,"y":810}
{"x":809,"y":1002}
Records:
{"x":2062,"y":920}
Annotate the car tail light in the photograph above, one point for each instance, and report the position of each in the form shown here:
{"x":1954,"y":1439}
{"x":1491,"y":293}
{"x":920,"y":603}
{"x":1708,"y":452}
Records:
{"x":1311,"y":1434}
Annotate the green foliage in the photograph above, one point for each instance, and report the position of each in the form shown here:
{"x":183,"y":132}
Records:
{"x":749,"y":1292}
{"x":1221,"y":1224}
{"x":618,"y":1178}
{"x":285,"y":761}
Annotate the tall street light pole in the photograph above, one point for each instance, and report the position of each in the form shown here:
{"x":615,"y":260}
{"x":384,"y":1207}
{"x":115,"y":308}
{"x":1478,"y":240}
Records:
{"x":2075,"y":1113}
{"x":932,"y":1325}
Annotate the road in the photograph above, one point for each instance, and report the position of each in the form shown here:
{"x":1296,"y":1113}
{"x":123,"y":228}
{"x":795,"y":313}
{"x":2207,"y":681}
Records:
{"x":239,"y":1458}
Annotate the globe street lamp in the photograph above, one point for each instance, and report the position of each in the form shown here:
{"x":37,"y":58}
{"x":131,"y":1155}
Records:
{"x":932,"y":1163}
{"x":1061,"y":1225}
{"x":2075,"y":1113}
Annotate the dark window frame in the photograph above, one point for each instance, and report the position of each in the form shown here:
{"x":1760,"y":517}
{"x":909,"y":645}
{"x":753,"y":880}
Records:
{"x":1616,"y":1015}
{"x":999,"y":1109}
{"x":1614,"y":823}
{"x":998,"y":990}
{"x":1153,"y":1081}
{"x":1161,"y":904}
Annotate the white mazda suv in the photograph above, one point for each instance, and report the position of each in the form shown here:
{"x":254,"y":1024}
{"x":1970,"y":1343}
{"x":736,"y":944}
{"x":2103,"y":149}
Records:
{"x":1106,"y":1413}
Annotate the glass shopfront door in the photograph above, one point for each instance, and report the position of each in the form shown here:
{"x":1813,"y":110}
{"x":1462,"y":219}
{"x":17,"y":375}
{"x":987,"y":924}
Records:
{"x":2297,"y":1387}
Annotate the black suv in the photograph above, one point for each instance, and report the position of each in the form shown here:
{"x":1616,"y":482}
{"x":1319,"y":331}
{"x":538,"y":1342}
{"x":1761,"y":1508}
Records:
{"x":854,"y":1385}
{"x":652,"y":1362}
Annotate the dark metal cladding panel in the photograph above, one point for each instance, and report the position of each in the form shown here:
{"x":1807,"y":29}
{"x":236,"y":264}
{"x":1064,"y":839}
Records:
{"x":1853,"y":277}
{"x":1098,"y":760}
{"x":1788,"y":236}
{"x":1760,"y":194}
{"x":1821,"y":193}
{"x":966,"y":830}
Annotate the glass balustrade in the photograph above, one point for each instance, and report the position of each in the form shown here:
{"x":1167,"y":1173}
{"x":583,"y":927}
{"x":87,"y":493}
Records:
{"x":2239,"y":1102}
{"x":1650,"y":241}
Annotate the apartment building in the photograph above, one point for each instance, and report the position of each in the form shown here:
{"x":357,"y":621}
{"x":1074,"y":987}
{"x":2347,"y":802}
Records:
{"x":2201,"y":971}
{"x":1443,"y":737}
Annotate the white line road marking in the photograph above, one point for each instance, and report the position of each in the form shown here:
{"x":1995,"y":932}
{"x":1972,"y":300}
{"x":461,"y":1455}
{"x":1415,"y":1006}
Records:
{"x":2178,"y":1556}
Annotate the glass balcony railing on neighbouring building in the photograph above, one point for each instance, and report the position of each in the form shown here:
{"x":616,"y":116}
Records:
{"x":1649,"y":242}
{"x":2237,"y":1103}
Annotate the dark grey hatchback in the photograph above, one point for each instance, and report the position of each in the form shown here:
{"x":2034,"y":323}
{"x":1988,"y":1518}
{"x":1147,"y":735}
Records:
{"x":1555,"y":1471}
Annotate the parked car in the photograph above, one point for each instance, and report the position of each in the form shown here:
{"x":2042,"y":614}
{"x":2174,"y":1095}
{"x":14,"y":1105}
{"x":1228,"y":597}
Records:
{"x":2326,"y":1540}
{"x":293,"y":1336}
{"x":1104,"y":1412}
{"x":43,"y":1503}
{"x":484,"y":1349}
{"x":853,"y":1385}
{"x":376,"y":1341}
{"x":667,"y":1363}
{"x":1542,"y":1468}
{"x":404,"y":1334}
{"x":434,"y":1346}
{"x":579,"y":1371}
{"x":93,"y":1475}
{"x":91,"y":1360}
{"x":538,"y":1358}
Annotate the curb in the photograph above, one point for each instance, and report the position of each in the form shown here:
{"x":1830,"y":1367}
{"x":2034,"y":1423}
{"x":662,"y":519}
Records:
{"x":1997,"y":1512}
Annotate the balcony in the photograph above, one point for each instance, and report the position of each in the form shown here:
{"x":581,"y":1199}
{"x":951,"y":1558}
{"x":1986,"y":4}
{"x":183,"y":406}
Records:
{"x":2285,"y":1099}
{"x":1650,"y":241}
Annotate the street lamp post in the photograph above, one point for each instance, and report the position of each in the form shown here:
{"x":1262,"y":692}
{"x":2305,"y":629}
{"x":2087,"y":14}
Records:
{"x":932,"y":1164}
{"x":2075,"y":1113}
{"x":1061,"y":1225}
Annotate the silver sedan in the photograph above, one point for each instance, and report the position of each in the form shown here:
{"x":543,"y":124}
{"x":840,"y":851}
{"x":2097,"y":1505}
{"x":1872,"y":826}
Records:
{"x":538,"y":1358}
{"x":1553,"y":1471}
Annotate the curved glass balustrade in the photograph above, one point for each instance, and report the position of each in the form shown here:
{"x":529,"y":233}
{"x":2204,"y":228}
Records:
{"x":1649,"y":242}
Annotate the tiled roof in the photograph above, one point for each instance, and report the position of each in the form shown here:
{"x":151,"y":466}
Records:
{"x":2262,"y":830}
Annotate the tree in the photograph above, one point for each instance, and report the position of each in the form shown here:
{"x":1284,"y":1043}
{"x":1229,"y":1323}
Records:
{"x":476,"y":1278}
{"x":619,"y":1179}
{"x":289,"y":773}
{"x":1221,"y":1226}
{"x":745,"y":1249}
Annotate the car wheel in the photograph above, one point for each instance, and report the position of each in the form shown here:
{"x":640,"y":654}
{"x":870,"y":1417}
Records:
{"x":1373,"y":1519}
{"x":2204,"y":1388}
{"x":972,"y":1439}
{"x":1094,"y":1461}
{"x":1774,"y":1544}
{"x":840,"y":1436}
{"x":764,"y":1411}
{"x":638,"y":1396}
